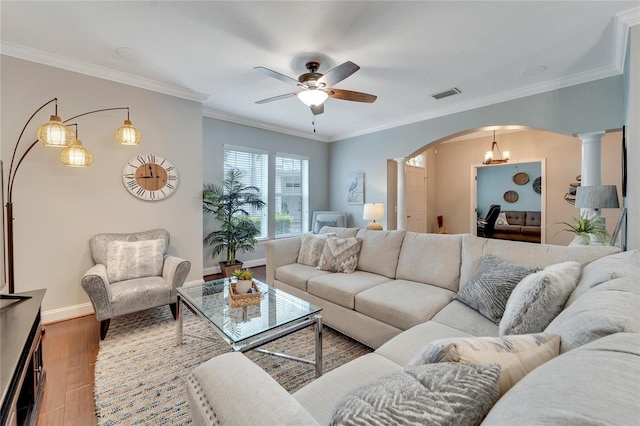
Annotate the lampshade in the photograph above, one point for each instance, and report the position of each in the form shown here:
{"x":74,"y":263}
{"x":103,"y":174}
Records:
{"x":76,"y":155}
{"x":313,"y":97}
{"x":373,"y":211}
{"x":597,"y":197}
{"x":127,"y":134}
{"x":55,"y":133}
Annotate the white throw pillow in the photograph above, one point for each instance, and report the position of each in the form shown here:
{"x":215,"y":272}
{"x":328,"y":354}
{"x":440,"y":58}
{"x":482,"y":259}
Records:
{"x":311,"y":246}
{"x":502,"y":219}
{"x":539,"y":298}
{"x":340,"y":255}
{"x":136,"y":259}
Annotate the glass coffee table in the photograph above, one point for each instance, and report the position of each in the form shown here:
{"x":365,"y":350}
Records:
{"x":247,"y":328}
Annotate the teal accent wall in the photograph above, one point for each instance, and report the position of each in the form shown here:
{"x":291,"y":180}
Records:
{"x":494,"y":181}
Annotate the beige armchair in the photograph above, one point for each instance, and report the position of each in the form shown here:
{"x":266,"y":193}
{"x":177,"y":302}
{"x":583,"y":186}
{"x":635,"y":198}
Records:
{"x":132,"y":273}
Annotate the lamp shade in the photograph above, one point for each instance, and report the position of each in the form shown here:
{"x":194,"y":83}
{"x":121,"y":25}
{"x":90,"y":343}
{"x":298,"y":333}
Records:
{"x":313,"y":97}
{"x":55,"y":133}
{"x":127,"y":134}
{"x":76,"y":155}
{"x":373,"y":211}
{"x":597,"y":197}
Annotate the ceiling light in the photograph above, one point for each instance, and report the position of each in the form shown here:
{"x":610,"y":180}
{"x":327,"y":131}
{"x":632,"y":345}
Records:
{"x":500,"y":159}
{"x":313,"y":97}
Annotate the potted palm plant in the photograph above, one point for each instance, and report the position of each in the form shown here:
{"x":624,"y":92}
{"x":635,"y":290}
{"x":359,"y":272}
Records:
{"x":228,"y":204}
{"x":587,"y":229}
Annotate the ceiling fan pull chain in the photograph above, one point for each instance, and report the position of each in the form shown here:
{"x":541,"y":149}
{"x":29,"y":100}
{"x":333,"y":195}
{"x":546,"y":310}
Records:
{"x":313,"y":122}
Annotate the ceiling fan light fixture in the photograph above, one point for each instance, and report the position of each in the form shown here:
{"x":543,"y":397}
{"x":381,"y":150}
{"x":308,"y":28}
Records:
{"x":313,"y":97}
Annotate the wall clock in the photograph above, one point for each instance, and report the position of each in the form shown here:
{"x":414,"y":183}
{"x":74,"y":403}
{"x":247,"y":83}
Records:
{"x":150,"y":177}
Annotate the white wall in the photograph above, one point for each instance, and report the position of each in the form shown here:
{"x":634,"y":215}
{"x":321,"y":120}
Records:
{"x":578,"y":109}
{"x":57,"y":208}
{"x":217,"y":133}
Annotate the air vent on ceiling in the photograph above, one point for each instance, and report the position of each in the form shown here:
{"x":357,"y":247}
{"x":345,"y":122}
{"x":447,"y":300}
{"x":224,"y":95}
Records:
{"x":446,"y":93}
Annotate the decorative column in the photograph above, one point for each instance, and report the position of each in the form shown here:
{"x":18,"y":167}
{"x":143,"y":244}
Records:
{"x":591,"y":158}
{"x":402,"y":204}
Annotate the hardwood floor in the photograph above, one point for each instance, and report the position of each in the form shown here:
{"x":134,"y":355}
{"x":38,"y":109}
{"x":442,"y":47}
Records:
{"x":69,"y":351}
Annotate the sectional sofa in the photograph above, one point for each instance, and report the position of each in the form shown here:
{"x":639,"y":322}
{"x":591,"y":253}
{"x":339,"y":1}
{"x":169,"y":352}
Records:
{"x":409,"y":292}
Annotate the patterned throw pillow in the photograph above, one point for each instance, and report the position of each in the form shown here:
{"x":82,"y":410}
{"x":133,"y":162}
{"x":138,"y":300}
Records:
{"x":311,"y":246}
{"x":340,"y":255}
{"x":321,"y":223}
{"x":539,"y":298}
{"x":137,"y":259}
{"x":490,"y":287}
{"x":432,"y":394}
{"x":502,"y":219}
{"x":517,"y":355}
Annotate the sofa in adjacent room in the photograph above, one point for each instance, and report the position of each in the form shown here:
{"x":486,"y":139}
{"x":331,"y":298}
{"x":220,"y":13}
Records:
{"x":518,"y":226}
{"x":504,"y":332}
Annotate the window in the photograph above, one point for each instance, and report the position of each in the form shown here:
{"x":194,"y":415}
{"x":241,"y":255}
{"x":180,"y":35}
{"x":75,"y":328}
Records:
{"x":291,"y":195}
{"x":254,"y":163}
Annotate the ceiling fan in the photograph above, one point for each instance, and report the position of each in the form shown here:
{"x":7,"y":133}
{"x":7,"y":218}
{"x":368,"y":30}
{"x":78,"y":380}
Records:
{"x":316,"y":86}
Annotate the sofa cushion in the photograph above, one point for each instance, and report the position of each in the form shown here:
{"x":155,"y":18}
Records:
{"x":533,"y":219}
{"x":341,"y":289}
{"x":125,"y":295}
{"x":527,"y":254}
{"x":136,"y":259}
{"x":431,"y":258}
{"x":539,"y":298}
{"x":401,"y":348}
{"x":461,"y":317}
{"x":402,"y":303}
{"x":297,"y":274}
{"x":516,"y":217}
{"x":380,"y":251}
{"x":321,"y":395}
{"x":311,"y":246}
{"x":623,"y":264}
{"x":340,"y":255}
{"x":517,"y":355}
{"x":489,"y":289}
{"x":530,"y":230}
{"x":425,"y":394}
{"x":611,"y":307}
{"x":597,"y":384}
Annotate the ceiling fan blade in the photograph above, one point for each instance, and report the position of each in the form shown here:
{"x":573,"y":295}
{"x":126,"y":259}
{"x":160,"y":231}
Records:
{"x":349,"y":95}
{"x":338,"y":73}
{"x":274,"y":74}
{"x":317,"y":109}
{"x":276,"y":98}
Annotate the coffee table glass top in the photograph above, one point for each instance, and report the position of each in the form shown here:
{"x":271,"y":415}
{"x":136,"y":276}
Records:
{"x":276,"y":309}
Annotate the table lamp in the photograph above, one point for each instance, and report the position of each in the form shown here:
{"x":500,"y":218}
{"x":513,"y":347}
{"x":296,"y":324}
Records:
{"x":373,"y":212}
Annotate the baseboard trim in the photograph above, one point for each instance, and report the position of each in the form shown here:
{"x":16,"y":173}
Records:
{"x":212,"y":270}
{"x":67,"y":313}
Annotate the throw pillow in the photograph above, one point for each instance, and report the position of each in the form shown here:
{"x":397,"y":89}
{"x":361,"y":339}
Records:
{"x":502,"y":219}
{"x":490,"y":287}
{"x":340,"y":255}
{"x":311,"y":246}
{"x":539,"y":298}
{"x":136,"y":259}
{"x":517,"y":355}
{"x":434,"y":394}
{"x":321,"y":223}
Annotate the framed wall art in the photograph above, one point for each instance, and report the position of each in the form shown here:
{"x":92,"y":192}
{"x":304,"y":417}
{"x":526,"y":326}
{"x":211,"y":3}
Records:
{"x":355,"y":188}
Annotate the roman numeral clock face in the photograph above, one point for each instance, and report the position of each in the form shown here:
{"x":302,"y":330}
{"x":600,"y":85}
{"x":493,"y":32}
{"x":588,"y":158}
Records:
{"x":150,"y":177}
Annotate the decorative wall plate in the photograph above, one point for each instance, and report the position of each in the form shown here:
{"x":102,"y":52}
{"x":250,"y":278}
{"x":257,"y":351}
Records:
{"x":510,"y":196}
{"x":521,"y":178}
{"x":537,"y":185}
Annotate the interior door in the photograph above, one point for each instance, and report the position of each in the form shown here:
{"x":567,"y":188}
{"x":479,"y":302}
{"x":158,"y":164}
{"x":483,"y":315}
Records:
{"x":416,"y":198}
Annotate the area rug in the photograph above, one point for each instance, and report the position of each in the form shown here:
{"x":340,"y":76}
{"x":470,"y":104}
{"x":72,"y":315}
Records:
{"x":140,"y":372}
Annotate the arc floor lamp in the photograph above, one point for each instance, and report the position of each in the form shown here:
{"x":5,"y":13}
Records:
{"x":56,"y":133}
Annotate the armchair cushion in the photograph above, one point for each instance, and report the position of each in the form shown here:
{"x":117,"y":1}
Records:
{"x":138,"y":259}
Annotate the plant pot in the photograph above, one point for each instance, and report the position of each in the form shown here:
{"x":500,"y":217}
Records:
{"x":243,"y":286}
{"x":227,"y":269}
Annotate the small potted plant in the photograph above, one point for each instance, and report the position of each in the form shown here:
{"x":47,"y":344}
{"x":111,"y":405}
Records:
{"x":244,"y":280}
{"x":588,"y":230}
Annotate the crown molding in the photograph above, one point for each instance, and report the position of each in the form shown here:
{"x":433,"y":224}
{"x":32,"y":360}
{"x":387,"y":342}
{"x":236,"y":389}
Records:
{"x":630,"y":17}
{"x":211,"y":113}
{"x":57,"y":61}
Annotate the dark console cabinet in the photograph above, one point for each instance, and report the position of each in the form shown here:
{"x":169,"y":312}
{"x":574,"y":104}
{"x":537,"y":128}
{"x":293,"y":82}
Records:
{"x":21,"y":370}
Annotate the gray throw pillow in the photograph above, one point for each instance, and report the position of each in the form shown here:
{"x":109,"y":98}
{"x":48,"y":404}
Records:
{"x":490,"y":287}
{"x":430,"y":394}
{"x":539,"y":298}
{"x":136,"y":259}
{"x":320,"y":223}
{"x":340,"y":255}
{"x":311,"y":246}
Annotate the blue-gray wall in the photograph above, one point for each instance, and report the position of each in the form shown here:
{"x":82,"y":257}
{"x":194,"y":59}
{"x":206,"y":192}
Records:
{"x":494,"y":181}
{"x":587,"y":107}
{"x":217,"y":133}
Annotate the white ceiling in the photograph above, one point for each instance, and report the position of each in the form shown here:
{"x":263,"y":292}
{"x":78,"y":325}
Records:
{"x":407,"y":51}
